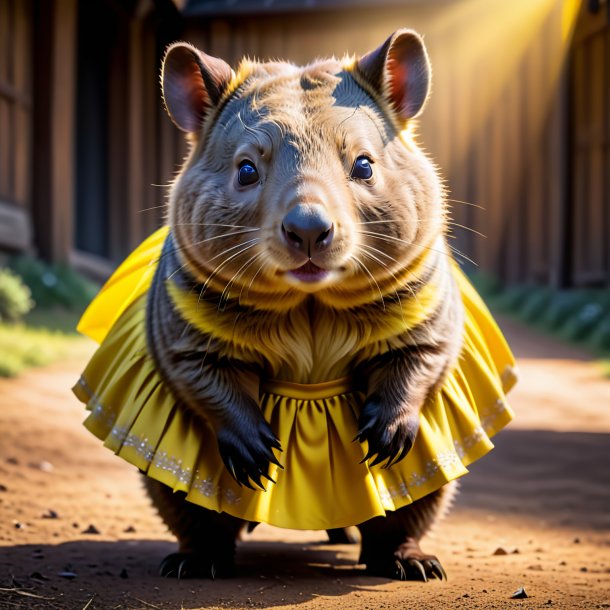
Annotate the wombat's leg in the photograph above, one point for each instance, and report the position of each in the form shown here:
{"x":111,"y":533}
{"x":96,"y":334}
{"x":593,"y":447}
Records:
{"x":390,"y":545}
{"x":206,"y":538}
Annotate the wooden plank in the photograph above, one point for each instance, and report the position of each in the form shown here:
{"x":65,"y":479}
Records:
{"x":6,"y":191}
{"x":22,"y":115}
{"x":118,"y":153}
{"x":15,"y":228}
{"x":6,"y":47}
{"x":62,"y":128}
{"x":135,"y":126}
{"x":606,"y":146}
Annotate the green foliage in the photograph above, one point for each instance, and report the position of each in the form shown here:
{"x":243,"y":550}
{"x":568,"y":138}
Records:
{"x":48,"y":332}
{"x":15,"y":297}
{"x":23,"y":347}
{"x":54,"y":285}
{"x":579,"y":316}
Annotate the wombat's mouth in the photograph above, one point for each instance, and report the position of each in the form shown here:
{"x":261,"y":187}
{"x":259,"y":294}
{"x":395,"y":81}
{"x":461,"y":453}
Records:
{"x":309,"y":272}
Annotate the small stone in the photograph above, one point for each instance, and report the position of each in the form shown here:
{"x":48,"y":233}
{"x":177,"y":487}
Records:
{"x":67,"y":574}
{"x":18,"y":525}
{"x":563,"y":563}
{"x":515,"y":551}
{"x":38,"y":576}
{"x":50,"y":514}
{"x":75,"y":525}
{"x":484,"y":590}
{"x":465,"y":595}
{"x":576,"y":540}
{"x":584,"y":569}
{"x":91,"y":530}
{"x":500,"y":551}
{"x":129,"y":530}
{"x":124,"y":574}
{"x":43,"y":466}
{"x":536,"y":568}
{"x":3,"y":487}
{"x":519,"y":594}
{"x":12,"y":460}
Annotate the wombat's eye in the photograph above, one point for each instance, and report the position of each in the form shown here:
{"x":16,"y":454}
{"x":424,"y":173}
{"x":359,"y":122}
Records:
{"x":248,"y":174}
{"x":362,"y":169}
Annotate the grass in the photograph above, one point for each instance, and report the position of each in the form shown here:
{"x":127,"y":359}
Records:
{"x":579,"y":316}
{"x":46,"y":336}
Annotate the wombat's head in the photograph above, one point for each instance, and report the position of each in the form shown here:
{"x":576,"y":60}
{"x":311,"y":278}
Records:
{"x":302,"y":180}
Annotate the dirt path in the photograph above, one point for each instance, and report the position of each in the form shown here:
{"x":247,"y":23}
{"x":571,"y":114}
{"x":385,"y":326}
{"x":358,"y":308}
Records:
{"x":543,"y":495}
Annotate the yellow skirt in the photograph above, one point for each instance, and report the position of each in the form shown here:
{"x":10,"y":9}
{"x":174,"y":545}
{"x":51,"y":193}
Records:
{"x":323,"y":485}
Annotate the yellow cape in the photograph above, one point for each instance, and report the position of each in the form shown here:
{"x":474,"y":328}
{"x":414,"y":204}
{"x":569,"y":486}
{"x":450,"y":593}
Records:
{"x":323,"y":485}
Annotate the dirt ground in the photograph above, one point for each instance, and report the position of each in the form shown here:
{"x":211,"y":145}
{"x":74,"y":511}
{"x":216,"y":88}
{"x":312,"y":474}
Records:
{"x":77,"y":532}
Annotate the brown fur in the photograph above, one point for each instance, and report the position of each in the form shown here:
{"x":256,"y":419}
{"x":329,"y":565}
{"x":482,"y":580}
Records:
{"x":303,"y":128}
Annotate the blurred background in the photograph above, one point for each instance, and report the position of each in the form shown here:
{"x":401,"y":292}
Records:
{"x":518,"y":122}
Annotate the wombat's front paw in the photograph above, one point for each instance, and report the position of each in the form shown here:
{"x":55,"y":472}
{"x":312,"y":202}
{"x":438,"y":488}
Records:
{"x":390,"y":435}
{"x":247,"y":453}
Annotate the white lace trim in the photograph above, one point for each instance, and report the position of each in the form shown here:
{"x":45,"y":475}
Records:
{"x":143,"y":447}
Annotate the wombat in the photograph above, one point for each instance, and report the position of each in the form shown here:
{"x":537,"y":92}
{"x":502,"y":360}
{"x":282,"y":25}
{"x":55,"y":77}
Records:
{"x":304,"y":313}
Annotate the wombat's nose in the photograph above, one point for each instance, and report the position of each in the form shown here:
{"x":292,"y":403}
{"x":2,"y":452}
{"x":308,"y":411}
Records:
{"x":308,"y":227}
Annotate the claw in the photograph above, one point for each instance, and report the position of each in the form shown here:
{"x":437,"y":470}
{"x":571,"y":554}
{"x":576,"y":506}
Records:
{"x":437,"y":569}
{"x":400,"y":571}
{"x":266,"y":475}
{"x":230,"y":467}
{"x":400,"y":454}
{"x":245,"y":482}
{"x":164,"y":572}
{"x":256,"y":479}
{"x":369,"y":454}
{"x":182,"y":573}
{"x":418,"y":569}
{"x":380,"y":458}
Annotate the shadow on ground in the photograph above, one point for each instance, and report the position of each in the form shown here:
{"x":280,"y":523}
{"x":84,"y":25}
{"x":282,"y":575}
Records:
{"x":560,"y":477}
{"x":124,"y":574}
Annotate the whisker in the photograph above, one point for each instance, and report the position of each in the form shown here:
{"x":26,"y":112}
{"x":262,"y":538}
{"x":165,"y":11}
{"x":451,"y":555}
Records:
{"x":234,"y":278}
{"x":380,"y":252}
{"x":252,"y":280}
{"x":408,"y":243}
{"x":391,"y":273}
{"x":156,"y":207}
{"x":457,"y":224}
{"x":458,"y":253}
{"x":213,"y":224}
{"x":206,"y":284}
{"x":249,"y":241}
{"x":402,"y":241}
{"x":474,"y":205}
{"x":176,"y":271}
{"x":371,"y":276}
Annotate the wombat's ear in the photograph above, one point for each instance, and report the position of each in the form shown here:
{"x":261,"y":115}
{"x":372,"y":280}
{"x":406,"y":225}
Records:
{"x":192,"y":82}
{"x":400,"y":71}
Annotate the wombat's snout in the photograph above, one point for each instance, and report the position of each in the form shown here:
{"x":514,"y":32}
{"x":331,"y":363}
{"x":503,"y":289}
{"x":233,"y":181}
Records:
{"x":308,"y":228}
